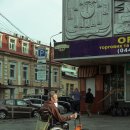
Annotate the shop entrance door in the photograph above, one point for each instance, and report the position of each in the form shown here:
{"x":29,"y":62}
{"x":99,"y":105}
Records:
{"x":90,"y":83}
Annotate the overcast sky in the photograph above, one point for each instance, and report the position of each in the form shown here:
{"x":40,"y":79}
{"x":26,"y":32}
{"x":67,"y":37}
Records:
{"x":39,"y":19}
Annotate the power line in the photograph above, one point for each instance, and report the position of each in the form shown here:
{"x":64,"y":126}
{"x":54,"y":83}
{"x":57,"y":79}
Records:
{"x":8,"y":29}
{"x":15,"y":27}
{"x":12,"y":24}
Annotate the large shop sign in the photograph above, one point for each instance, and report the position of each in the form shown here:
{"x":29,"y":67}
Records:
{"x":94,"y":47}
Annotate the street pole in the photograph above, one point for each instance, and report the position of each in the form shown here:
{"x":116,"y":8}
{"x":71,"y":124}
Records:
{"x":50,"y":48}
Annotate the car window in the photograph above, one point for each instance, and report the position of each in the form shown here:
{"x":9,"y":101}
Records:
{"x":45,"y":98}
{"x":21,"y":103}
{"x":28,"y":101}
{"x":1,"y":101}
{"x":9,"y":102}
{"x":35,"y":101}
{"x":69,"y":99}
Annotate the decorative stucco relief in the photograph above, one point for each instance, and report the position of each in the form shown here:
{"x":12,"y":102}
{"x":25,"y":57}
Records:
{"x":86,"y":19}
{"x":121,"y":16}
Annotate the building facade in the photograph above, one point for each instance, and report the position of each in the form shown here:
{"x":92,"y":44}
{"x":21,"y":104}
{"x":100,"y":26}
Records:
{"x":69,"y":79}
{"x":19,"y":68}
{"x":96,"y":38}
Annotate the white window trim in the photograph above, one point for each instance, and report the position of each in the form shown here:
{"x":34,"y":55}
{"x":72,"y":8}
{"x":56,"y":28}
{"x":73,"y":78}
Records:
{"x":14,"y":43}
{"x":27,"y":71}
{"x":25,"y":42}
{"x":1,"y":40}
{"x":1,"y":69}
{"x":36,"y":50}
{"x":47,"y":53}
{"x":55,"y":70}
{"x":13,"y":78}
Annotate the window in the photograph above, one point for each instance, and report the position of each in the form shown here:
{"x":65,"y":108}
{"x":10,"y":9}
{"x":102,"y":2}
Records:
{"x":36,"y":91}
{"x":47,"y":53}
{"x":0,"y":40}
{"x":73,"y":68}
{"x":12,"y":93}
{"x":36,"y":50}
{"x":12,"y":43}
{"x":36,"y":101}
{"x":114,"y":83}
{"x":21,"y":103}
{"x":71,"y":87}
{"x":25,"y":47}
{"x":36,"y":71}
{"x":25,"y":72}
{"x":47,"y":74}
{"x":25,"y":92}
{"x":55,"y":71}
{"x":65,"y":66}
{"x":0,"y":69}
{"x":9,"y":102}
{"x":12,"y":70}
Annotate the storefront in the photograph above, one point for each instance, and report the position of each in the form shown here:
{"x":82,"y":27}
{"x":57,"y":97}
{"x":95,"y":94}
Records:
{"x":103,"y":66}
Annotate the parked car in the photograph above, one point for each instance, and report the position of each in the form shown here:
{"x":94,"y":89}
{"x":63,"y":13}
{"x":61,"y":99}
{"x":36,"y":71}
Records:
{"x":38,"y":102}
{"x":39,"y":96}
{"x":34,"y":101}
{"x":66,"y":99}
{"x":66,"y":105}
{"x":16,"y":108}
{"x":75,"y":105}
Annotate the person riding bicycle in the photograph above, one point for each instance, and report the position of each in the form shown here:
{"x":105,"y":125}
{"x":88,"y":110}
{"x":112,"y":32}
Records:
{"x":53,"y":110}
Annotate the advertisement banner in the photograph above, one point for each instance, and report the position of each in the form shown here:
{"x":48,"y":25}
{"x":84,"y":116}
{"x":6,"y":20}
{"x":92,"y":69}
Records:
{"x":94,"y":47}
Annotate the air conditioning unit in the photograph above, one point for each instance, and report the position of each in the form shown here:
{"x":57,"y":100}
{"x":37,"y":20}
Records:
{"x":105,"y":69}
{"x":26,"y":82}
{"x":10,"y":82}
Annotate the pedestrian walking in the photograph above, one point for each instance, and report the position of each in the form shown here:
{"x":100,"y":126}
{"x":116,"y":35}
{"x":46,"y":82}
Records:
{"x":89,"y":99}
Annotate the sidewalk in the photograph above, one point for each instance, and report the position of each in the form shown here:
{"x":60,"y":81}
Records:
{"x":103,"y":122}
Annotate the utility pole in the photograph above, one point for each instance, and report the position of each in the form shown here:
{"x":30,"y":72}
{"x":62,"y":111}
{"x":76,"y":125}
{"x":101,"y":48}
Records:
{"x":50,"y":48}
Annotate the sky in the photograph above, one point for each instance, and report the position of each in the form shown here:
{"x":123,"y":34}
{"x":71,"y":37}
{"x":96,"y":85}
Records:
{"x":38,"y":19}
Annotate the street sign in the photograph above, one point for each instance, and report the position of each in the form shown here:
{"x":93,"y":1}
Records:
{"x":41,"y":72}
{"x":41,"y":61}
{"x":41,"y":55}
{"x":41,"y":52}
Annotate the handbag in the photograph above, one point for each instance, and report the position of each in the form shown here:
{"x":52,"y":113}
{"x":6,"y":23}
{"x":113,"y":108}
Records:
{"x":42,"y":125}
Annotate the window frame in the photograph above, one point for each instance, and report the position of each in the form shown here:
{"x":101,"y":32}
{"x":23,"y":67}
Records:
{"x":1,"y":35}
{"x":36,"y":50}
{"x":55,"y":75}
{"x":26,"y":77}
{"x":1,"y":69}
{"x":25,"y":91}
{"x":25,"y":49}
{"x":11,"y":63}
{"x":47,"y":74}
{"x":11,"y":44}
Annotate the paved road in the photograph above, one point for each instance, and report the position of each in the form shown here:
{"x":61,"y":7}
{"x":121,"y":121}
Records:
{"x":97,"y":122}
{"x":102,"y":122}
{"x":18,"y":124}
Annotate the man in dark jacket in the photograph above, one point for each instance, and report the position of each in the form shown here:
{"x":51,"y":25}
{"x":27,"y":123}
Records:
{"x":89,"y":100}
{"x":52,"y":109}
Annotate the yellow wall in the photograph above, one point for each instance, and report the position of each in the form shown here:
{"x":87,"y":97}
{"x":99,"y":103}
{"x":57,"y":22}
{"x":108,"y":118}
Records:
{"x":70,"y":81}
